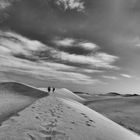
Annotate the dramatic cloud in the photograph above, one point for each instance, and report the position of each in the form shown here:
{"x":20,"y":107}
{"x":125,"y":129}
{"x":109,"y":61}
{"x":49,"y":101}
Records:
{"x":31,"y":57}
{"x":83,"y":38}
{"x":126,"y":75}
{"x":71,"y":4}
{"x":16,"y":44}
{"x":74,"y":54}
{"x":70,"y":42}
{"x":45,"y":73}
{"x":99,"y":60}
{"x":12,"y":43}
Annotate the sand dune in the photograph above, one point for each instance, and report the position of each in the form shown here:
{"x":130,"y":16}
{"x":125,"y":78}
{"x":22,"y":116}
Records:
{"x":16,"y":96}
{"x":65,"y":93}
{"x":123,"y":110}
{"x":53,"y":118}
{"x":21,"y":89}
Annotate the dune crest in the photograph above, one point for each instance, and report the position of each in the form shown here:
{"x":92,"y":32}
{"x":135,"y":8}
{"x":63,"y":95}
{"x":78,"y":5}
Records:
{"x":14,"y":97}
{"x":54,"y":118}
{"x":65,"y":93}
{"x":21,"y":89}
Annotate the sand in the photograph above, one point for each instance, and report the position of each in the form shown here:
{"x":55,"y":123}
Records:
{"x":65,"y":93}
{"x":15,"y":97}
{"x":53,"y":118}
{"x":123,"y":110}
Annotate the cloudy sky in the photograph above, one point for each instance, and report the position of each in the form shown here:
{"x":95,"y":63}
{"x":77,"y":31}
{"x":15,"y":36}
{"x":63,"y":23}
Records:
{"x":83,"y":45}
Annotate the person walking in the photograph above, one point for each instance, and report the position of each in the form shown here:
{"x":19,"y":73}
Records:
{"x":49,"y":89}
{"x":53,"y":89}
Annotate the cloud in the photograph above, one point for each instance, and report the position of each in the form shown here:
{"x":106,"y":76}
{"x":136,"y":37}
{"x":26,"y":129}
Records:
{"x":71,"y":4}
{"x":51,"y":63}
{"x":110,"y":77}
{"x":126,"y":75}
{"x":64,"y":42}
{"x":58,"y":66}
{"x":12,"y":43}
{"x":4,"y":4}
{"x":99,"y":60}
{"x":70,"y":42}
{"x":82,"y":52}
{"x":42,"y":71}
{"x":92,"y":71}
{"x":88,"y":45}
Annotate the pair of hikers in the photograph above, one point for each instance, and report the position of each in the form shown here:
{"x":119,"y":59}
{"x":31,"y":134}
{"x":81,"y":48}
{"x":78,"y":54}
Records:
{"x":51,"y":89}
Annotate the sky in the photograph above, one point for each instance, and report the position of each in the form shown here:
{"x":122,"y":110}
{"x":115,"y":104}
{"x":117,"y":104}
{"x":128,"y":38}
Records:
{"x":83,"y":45}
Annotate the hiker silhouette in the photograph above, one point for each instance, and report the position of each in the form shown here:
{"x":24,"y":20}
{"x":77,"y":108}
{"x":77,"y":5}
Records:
{"x":53,"y":89}
{"x":49,"y":89}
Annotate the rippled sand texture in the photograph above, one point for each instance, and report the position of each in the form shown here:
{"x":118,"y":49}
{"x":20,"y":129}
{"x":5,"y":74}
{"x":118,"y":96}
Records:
{"x":53,"y":118}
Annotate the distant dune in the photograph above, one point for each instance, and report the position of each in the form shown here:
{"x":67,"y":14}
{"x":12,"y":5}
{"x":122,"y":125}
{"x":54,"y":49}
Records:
{"x":121,"y":109}
{"x":81,"y":93}
{"x":130,"y":95}
{"x":21,"y":89}
{"x":112,"y":94}
{"x":15,"y":97}
{"x":117,"y":94}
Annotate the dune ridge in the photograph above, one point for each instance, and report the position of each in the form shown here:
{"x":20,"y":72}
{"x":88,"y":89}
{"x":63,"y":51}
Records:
{"x":15,"y":97}
{"x":53,"y":117}
{"x":21,"y":89}
{"x":65,"y":93}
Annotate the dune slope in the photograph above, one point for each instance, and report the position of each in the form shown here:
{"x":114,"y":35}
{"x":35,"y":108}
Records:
{"x":65,"y":93}
{"x":123,"y":110}
{"x":16,"y":96}
{"x":53,"y":118}
{"x":21,"y":89}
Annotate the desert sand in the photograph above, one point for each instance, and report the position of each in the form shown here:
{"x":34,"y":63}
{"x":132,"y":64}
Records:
{"x":15,"y":96}
{"x":56,"y":118}
{"x":65,"y":93}
{"x":123,"y":110}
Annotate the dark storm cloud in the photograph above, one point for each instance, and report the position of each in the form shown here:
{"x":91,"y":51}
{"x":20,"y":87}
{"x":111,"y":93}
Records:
{"x":40,"y":19}
{"x":43,"y":20}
